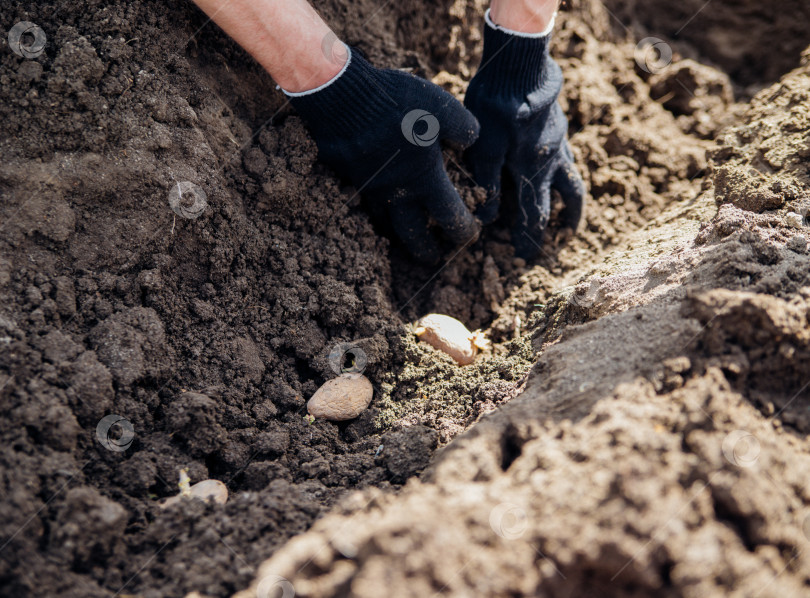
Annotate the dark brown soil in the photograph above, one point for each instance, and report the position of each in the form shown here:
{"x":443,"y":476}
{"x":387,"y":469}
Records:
{"x":660,"y":445}
{"x":753,"y":42}
{"x":207,"y":335}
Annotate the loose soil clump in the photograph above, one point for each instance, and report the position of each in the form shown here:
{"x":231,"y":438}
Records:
{"x":202,"y":329}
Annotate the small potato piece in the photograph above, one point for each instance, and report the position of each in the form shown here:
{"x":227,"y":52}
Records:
{"x":450,"y":336}
{"x":341,"y":398}
{"x":204,"y":490}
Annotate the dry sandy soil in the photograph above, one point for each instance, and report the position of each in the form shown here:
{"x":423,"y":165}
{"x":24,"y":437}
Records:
{"x":638,"y":428}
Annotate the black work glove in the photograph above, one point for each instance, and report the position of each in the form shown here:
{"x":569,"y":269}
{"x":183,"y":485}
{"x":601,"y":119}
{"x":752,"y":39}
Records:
{"x":381,"y":130}
{"x":523,"y":133}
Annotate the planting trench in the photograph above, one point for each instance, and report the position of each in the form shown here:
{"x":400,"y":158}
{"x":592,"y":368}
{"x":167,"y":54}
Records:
{"x":603,"y":467}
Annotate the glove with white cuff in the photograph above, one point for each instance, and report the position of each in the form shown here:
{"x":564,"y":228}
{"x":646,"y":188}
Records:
{"x":523,"y":134}
{"x":381,"y":129}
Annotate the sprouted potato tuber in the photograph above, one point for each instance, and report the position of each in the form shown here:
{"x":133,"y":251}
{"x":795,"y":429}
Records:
{"x":207,"y":489}
{"x":451,"y":336}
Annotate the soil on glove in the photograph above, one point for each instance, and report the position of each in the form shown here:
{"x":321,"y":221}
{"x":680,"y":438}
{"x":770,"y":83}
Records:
{"x":204,"y":330}
{"x":660,"y":445}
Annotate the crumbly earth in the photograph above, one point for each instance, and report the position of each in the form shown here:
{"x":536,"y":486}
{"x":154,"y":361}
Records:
{"x":659,"y":447}
{"x":754,"y":42}
{"x":207,"y":335}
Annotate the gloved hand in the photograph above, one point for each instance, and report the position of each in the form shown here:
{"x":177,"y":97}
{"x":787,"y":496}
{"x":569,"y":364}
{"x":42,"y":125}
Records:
{"x":381,"y":130}
{"x":523,"y":129}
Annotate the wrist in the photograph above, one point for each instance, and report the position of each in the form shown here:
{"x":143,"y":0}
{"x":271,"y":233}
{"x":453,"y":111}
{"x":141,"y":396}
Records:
{"x":529,"y":17}
{"x":308,"y":72}
{"x":321,"y":75}
{"x":348,"y":103}
{"x":515,"y":64}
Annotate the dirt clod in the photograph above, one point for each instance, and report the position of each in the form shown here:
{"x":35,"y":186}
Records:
{"x":587,"y":452}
